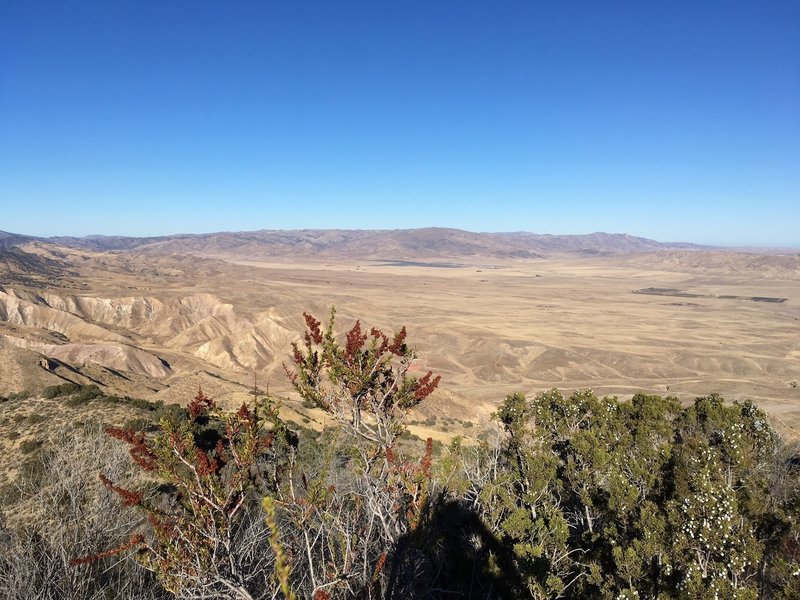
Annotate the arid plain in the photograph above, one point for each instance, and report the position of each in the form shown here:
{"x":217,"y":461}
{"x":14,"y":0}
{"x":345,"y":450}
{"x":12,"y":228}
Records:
{"x":495,"y":328}
{"x":157,"y":325}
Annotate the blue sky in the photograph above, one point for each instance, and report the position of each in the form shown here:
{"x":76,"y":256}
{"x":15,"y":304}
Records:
{"x":678,"y":121}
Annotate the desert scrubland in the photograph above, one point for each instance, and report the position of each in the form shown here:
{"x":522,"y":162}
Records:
{"x":156,"y":325}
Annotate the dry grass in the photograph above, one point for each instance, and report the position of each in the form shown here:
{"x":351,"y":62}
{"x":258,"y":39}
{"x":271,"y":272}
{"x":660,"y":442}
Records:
{"x":490,"y":327}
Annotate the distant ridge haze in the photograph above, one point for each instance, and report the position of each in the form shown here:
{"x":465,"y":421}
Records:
{"x":428,"y":242}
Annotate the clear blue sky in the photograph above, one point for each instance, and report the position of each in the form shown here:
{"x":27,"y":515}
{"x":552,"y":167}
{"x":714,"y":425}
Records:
{"x":678,"y":121}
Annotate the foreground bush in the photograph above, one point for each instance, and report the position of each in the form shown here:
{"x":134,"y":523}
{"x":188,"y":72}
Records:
{"x":361,"y":502}
{"x":606,"y":499}
{"x":203,"y":474}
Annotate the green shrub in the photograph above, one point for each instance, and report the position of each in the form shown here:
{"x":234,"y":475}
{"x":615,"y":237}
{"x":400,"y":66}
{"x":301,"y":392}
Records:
{"x":84,"y":395}
{"x":89,"y":392}
{"x":408,"y":436}
{"x":173,"y":412}
{"x":142,"y":404}
{"x":28,"y":446}
{"x":10,"y":494}
{"x":138,"y":424}
{"x":215,"y":462}
{"x":64,"y":389}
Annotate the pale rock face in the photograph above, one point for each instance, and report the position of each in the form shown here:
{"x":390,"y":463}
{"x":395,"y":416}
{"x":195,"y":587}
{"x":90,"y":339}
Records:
{"x":115,"y":332}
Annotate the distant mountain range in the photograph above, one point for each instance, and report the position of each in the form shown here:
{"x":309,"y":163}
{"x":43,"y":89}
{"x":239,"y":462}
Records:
{"x":354,"y":243}
{"x":8,"y":240}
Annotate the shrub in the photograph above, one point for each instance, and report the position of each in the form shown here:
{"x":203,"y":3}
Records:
{"x":206,"y":542}
{"x":68,"y":513}
{"x":600,"y":498}
{"x":35,"y":418}
{"x":137,"y":424}
{"x":89,"y":392}
{"x":142,"y":404}
{"x":64,"y":389}
{"x":28,"y":446}
{"x":170,"y":412}
{"x":383,"y":497}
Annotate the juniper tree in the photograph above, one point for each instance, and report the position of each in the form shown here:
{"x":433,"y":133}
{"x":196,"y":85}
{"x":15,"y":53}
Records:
{"x":609,"y":499}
